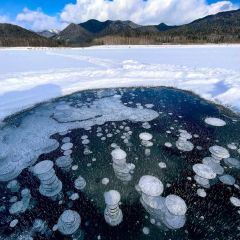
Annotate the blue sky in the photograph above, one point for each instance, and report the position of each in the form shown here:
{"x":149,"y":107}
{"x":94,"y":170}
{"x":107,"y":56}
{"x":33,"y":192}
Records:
{"x":58,"y":13}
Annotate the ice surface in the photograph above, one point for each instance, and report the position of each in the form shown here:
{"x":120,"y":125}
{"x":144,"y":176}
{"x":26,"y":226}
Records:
{"x":210,"y":71}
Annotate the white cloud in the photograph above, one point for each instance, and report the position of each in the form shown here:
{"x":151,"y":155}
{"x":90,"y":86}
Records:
{"x":143,"y":12}
{"x":37,"y":20}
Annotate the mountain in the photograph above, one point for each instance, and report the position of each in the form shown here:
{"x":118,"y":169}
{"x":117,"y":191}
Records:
{"x":219,"y":28}
{"x":48,"y":33}
{"x":223,"y":27}
{"x":74,"y":34}
{"x":13,"y":36}
{"x":163,"y":27}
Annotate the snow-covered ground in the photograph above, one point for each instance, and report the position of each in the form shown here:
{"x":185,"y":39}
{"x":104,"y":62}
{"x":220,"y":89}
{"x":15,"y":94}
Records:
{"x":32,"y":75}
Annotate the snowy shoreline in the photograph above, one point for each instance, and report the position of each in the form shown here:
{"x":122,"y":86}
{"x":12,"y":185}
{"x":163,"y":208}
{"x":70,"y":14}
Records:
{"x":32,"y":75}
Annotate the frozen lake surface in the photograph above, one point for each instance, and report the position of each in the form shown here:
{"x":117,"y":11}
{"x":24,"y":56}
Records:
{"x":171,"y":158}
{"x":30,"y":76}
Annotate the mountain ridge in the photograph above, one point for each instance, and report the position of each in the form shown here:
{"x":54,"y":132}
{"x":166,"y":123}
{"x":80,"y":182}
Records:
{"x":223,"y":27}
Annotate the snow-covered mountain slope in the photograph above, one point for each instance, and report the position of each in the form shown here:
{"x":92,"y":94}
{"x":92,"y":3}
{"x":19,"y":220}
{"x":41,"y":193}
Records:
{"x":29,"y":76}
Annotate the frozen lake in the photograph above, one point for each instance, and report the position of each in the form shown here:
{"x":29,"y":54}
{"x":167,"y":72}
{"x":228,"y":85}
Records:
{"x":30,"y":76}
{"x":162,"y":132}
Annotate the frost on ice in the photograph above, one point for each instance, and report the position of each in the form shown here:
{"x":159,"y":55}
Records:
{"x":36,"y":129}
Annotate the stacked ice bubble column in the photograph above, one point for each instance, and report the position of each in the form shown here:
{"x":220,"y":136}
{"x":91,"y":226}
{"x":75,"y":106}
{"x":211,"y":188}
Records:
{"x":112,"y":214}
{"x":145,"y":141}
{"x":64,"y":163}
{"x":69,"y":223}
{"x":210,"y":166}
{"x":50,"y":185}
{"x":183,"y":143}
{"x":80,"y":183}
{"x":168,"y":212}
{"x":120,"y":166}
{"x":40,"y":227}
{"x":219,"y":153}
{"x":22,"y":205}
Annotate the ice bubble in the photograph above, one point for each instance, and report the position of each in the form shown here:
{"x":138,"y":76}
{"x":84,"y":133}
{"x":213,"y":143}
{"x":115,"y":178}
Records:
{"x":145,"y":136}
{"x":118,"y":155}
{"x":64,"y":162}
{"x":114,"y":145}
{"x":219,"y":152}
{"x":232,"y":146}
{"x":162,"y":165}
{"x":112,"y":213}
{"x":50,"y":185}
{"x":84,"y":137}
{"x":184,"y":145}
{"x":13,"y":186}
{"x":66,"y":146}
{"x":150,"y":185}
{"x":185,"y":135}
{"x":74,"y":196}
{"x":235,"y":201}
{"x":204,"y":171}
{"x":201,"y":193}
{"x":174,"y":221}
{"x":69,"y":222}
{"x":112,"y":197}
{"x":149,"y":105}
{"x":13,"y":199}
{"x":85,"y":141}
{"x":13,"y":223}
{"x":146,"y":230}
{"x":75,"y":167}
{"x":66,"y":140}
{"x":202,"y":181}
{"x":168,"y":144}
{"x":105,"y":181}
{"x":232,"y":162}
{"x":146,"y":125}
{"x":80,"y":183}
{"x":227,"y":179}
{"x":217,"y":122}
{"x":216,"y":167}
{"x":40,"y":226}
{"x":16,"y":208}
{"x":176,"y":205}
{"x":67,"y":152}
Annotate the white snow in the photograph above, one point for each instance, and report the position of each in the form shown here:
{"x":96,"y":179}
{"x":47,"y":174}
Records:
{"x":32,"y":75}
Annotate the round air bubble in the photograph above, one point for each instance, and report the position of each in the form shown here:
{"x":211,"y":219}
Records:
{"x":175,"y":204}
{"x":216,"y":122}
{"x":227,"y":179}
{"x":151,"y":185}
{"x":204,"y":171}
